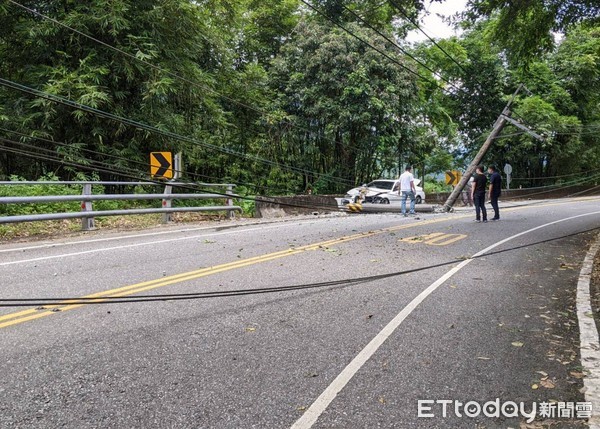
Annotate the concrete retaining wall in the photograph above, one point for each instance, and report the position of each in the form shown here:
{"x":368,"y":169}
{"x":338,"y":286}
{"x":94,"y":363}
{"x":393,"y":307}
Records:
{"x":296,"y":205}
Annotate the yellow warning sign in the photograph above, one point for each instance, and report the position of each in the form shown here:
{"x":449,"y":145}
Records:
{"x":453,"y":177}
{"x":161,"y":165}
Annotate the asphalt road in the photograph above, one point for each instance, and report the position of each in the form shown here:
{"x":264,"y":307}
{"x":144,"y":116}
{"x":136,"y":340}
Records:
{"x":502,"y":326}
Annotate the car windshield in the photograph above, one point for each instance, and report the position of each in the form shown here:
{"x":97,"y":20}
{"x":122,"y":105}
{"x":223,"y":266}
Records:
{"x":381,"y":184}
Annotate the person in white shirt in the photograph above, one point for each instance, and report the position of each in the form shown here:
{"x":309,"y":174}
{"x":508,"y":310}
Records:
{"x":407,"y":190}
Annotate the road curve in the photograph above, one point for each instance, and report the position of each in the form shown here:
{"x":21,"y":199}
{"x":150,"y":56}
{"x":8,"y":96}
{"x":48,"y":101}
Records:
{"x":265,"y":360}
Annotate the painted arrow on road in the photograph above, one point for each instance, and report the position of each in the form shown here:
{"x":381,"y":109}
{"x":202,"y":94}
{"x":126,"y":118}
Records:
{"x":161,"y":165}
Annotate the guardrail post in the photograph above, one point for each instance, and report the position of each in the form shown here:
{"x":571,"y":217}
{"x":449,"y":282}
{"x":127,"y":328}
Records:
{"x":87,"y":223}
{"x":166,"y":203}
{"x":230,"y":213}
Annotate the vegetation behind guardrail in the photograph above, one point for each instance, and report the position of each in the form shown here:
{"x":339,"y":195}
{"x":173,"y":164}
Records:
{"x":57,"y":203}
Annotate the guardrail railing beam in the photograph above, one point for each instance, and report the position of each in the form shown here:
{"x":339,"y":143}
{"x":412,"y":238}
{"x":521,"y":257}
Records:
{"x":87,"y":213}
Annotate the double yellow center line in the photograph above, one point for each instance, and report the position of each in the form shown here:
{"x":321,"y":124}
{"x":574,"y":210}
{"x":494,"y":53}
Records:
{"x":32,"y":314}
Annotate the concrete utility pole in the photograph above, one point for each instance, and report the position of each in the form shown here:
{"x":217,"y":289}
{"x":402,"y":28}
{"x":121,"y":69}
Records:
{"x":498,"y":125}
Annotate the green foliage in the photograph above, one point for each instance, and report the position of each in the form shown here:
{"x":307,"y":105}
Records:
{"x":353,"y":104}
{"x":433,"y":186}
{"x":38,"y":190}
{"x":248,"y":207}
{"x":525,"y":28}
{"x":275,"y":80}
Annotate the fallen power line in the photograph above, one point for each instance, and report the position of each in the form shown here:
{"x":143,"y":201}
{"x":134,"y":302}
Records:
{"x":62,"y":301}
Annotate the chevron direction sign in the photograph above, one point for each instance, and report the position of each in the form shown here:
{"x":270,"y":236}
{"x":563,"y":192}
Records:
{"x":453,"y":177}
{"x":161,"y":165}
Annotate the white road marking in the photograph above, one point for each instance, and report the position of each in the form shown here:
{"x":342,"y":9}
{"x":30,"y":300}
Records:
{"x":126,"y":246}
{"x":125,"y":237}
{"x":100,"y":240}
{"x":317,"y":408}
{"x":588,"y":335}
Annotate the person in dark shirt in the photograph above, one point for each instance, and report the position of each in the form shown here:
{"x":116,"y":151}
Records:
{"x":478,"y":194}
{"x":495,"y":190}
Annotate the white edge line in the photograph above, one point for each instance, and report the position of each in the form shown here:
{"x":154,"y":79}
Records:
{"x":317,"y":408}
{"x":100,"y":240}
{"x":126,"y":246}
{"x":588,"y":335}
{"x":147,"y":234}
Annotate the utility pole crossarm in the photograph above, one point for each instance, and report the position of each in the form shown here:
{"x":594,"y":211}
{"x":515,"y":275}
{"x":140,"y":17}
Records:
{"x":523,"y":127}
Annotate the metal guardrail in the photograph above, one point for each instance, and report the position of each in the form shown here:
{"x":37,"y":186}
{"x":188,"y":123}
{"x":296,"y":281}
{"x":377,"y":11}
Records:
{"x":87,"y":213}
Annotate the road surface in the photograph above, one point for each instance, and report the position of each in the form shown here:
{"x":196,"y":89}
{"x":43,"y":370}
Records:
{"x":351,"y":355}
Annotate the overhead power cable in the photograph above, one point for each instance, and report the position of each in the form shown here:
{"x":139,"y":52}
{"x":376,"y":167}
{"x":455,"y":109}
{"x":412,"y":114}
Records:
{"x":132,"y":161}
{"x":554,"y":188}
{"x":556,"y":177}
{"x":130,"y":122}
{"x":404,"y":51}
{"x":426,"y":79}
{"x":97,"y":166}
{"x":412,"y":21}
{"x":437,"y":45}
{"x":158,"y":68}
{"x":146,"y":62}
{"x":396,"y":6}
{"x":366,"y":43}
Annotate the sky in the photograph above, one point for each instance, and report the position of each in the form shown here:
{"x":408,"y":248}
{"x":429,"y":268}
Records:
{"x":432,"y":24}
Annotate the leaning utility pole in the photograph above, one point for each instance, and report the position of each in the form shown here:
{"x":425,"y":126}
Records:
{"x":498,"y":125}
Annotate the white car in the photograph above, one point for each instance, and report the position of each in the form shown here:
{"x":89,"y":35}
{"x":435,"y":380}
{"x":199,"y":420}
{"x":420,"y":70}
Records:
{"x":382,"y":191}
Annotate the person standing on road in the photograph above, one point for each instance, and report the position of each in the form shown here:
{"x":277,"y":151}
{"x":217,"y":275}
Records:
{"x":407,"y":190}
{"x":478,"y":194}
{"x":495,"y":190}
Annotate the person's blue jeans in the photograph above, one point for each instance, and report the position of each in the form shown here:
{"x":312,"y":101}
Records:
{"x":411,"y":195}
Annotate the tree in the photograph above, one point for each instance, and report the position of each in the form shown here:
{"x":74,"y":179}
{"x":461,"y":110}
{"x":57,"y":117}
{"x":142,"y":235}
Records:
{"x":353,"y":103}
{"x":178,"y":36}
{"x":525,"y":28}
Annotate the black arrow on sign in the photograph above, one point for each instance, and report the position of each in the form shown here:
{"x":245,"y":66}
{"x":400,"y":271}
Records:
{"x":451,"y":176}
{"x":164,"y":165}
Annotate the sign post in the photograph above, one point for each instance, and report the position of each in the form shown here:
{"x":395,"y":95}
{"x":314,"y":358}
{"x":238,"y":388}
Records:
{"x":508,"y":172}
{"x":177,"y":165}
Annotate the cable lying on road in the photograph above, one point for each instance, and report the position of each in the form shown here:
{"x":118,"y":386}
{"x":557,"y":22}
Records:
{"x":57,"y":302}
